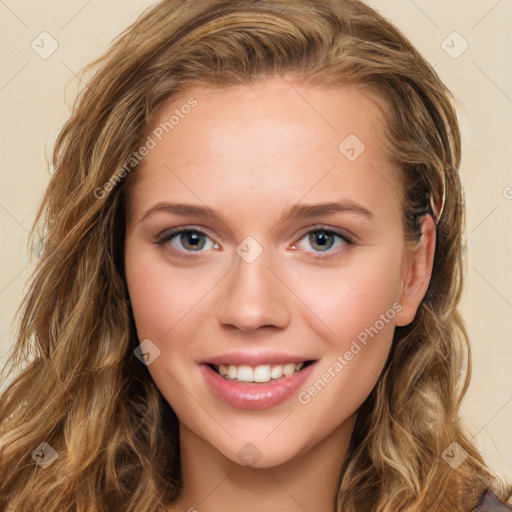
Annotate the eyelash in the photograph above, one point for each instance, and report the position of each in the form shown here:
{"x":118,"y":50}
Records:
{"x":168,"y":235}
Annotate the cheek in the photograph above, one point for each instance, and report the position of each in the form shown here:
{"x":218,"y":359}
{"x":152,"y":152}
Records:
{"x":165,"y":302}
{"x":353,"y":297}
{"x":360,"y":309}
{"x":357,"y":306}
{"x":161,"y":296}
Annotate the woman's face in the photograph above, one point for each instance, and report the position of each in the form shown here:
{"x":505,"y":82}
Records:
{"x":264,"y":243}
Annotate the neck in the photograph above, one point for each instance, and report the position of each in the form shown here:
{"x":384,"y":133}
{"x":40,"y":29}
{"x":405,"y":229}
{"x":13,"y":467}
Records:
{"x":309,"y":481}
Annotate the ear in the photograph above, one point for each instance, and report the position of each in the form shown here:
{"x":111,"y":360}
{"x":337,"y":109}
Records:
{"x":416,"y":272}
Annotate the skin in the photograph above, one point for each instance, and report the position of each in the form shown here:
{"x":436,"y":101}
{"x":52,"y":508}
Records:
{"x":251,"y":152}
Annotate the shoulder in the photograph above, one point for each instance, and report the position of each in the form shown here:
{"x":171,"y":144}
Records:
{"x":489,"y":502}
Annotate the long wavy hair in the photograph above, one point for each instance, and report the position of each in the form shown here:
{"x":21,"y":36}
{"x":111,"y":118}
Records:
{"x":74,"y":381}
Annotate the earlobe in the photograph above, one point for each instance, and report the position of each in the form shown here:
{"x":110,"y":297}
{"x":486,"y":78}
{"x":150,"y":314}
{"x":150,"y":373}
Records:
{"x":417,"y":272}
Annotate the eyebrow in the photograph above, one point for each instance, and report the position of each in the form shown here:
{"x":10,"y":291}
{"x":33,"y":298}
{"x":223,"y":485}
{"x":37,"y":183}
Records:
{"x":297,"y":211}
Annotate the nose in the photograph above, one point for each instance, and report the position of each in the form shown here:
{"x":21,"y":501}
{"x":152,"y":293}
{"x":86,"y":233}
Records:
{"x":254,"y":297}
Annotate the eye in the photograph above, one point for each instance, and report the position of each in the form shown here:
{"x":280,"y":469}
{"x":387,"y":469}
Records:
{"x":186,"y":240}
{"x":322,"y":240}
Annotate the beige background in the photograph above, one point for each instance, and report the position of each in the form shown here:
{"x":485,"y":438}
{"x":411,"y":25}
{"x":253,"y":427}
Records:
{"x":35,"y":95}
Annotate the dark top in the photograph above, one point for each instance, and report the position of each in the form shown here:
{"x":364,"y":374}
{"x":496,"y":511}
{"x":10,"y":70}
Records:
{"x":489,"y":502}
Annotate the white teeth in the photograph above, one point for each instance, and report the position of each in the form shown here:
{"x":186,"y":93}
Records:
{"x":245,"y":374}
{"x":288,"y":369}
{"x":232,"y":372}
{"x":277,"y":371}
{"x":262,"y":373}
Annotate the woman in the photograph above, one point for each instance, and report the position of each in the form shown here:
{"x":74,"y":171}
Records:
{"x":309,"y":355}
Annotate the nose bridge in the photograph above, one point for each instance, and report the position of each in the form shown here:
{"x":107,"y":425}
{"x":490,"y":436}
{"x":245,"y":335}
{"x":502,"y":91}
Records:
{"x":253,"y":297}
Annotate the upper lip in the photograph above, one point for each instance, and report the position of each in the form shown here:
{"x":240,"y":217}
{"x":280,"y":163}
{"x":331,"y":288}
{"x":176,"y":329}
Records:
{"x":256,"y":358}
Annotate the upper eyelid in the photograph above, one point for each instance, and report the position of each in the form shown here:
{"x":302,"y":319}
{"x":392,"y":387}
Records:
{"x":172,"y":232}
{"x":323,"y":227}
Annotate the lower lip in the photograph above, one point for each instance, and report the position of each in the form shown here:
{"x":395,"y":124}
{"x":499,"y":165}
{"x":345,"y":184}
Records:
{"x":254,"y":396}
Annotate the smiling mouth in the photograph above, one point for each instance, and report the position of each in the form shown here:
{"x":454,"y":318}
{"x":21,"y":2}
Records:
{"x":261,"y":373}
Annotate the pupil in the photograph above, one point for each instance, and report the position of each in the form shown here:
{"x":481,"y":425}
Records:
{"x":320,"y":238}
{"x":192,"y":239}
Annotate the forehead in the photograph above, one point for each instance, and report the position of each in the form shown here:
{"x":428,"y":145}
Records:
{"x":277,"y":105}
{"x":271,"y":136}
